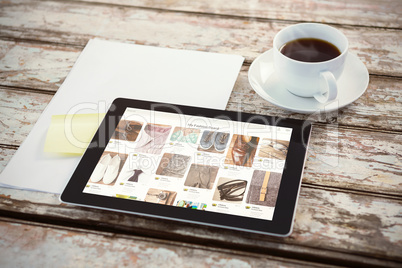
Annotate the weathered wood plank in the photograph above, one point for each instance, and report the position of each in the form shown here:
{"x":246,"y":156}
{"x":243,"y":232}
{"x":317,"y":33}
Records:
{"x":351,"y":159}
{"x":365,"y":13}
{"x":341,"y":227}
{"x":75,"y":23}
{"x":378,"y":108}
{"x":5,"y":156}
{"x":334,"y":153}
{"x":349,"y":221}
{"x":45,"y":67}
{"x":40,"y":245}
{"x":19,"y":112}
{"x":35,"y":66}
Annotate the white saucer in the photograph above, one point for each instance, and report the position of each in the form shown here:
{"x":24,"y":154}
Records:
{"x":351,"y":85}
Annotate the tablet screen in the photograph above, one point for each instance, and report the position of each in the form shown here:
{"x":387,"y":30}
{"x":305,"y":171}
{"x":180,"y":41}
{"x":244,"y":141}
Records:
{"x":193,"y":162}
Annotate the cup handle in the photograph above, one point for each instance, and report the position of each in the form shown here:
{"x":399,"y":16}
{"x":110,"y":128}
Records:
{"x":328,"y":83}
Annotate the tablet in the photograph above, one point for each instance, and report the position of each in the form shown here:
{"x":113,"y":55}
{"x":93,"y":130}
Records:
{"x":211,"y":167}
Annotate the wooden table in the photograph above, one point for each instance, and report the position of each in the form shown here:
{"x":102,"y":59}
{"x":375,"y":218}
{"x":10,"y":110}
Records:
{"x":350,"y":207}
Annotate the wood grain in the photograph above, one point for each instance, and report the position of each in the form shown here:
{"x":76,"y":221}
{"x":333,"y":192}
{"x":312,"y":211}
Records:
{"x":378,"y":108}
{"x":75,"y":23}
{"x":329,"y":226}
{"x":334,"y":153}
{"x":6,"y":153}
{"x":35,"y":66}
{"x":46,"y":245}
{"x":44,"y":67}
{"x":19,"y":111}
{"x":350,"y":205}
{"x":365,"y":13}
{"x":355,"y":160}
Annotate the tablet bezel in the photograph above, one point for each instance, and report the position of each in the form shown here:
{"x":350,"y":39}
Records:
{"x":280,"y":225}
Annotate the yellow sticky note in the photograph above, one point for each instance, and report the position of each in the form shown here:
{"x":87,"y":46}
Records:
{"x":70,"y":134}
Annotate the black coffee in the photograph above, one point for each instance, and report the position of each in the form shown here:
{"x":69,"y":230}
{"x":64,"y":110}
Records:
{"x":310,"y":50}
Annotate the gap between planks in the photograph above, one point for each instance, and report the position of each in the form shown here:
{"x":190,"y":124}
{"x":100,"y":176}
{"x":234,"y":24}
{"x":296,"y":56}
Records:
{"x":350,"y":191}
{"x":29,"y":90}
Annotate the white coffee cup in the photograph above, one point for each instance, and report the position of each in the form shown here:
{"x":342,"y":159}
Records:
{"x":310,"y":79}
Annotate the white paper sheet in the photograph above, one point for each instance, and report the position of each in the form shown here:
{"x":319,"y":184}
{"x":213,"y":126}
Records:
{"x":106,"y":70}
